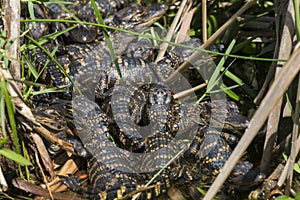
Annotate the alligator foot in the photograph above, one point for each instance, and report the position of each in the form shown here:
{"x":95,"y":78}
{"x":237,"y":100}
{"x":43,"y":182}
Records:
{"x":72,"y":182}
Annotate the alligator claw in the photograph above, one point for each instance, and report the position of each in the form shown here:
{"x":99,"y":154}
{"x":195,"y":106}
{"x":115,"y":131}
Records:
{"x":71,"y":182}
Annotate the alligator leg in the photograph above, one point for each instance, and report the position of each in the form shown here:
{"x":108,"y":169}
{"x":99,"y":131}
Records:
{"x":212,"y":155}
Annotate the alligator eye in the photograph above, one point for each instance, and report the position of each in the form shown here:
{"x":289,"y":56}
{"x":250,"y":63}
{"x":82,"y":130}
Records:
{"x":232,"y":139}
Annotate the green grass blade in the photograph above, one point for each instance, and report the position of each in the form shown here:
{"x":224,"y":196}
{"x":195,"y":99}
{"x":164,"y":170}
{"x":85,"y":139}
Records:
{"x":14,"y":156}
{"x":3,"y":140}
{"x":160,"y":40}
{"x":217,"y":76}
{"x":2,"y":113}
{"x":31,"y":68}
{"x":229,"y":92}
{"x":213,"y":80}
{"x":107,"y":39}
{"x":50,"y":90}
{"x":31,"y":12}
{"x":240,"y":82}
{"x":297,"y":18}
{"x":11,"y":115}
{"x":233,"y":77}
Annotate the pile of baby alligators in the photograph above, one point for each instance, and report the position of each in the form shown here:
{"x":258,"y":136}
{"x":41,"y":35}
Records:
{"x":130,"y":129}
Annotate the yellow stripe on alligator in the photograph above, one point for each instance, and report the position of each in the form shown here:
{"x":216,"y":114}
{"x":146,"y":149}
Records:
{"x":102,"y":196}
{"x":121,"y":191}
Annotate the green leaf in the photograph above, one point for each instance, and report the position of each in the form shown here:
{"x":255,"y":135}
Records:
{"x":11,"y":115}
{"x":214,"y":79}
{"x":296,"y":165}
{"x":284,"y":198}
{"x":231,"y":93}
{"x":297,"y":197}
{"x":285,"y":157}
{"x":4,"y":140}
{"x":2,"y":112}
{"x":31,"y":12}
{"x":14,"y":156}
{"x":31,"y":67}
{"x":51,"y":90}
{"x":297,"y":19}
{"x":203,"y":192}
{"x":215,"y":76}
{"x":297,"y":168}
{"x":290,"y":106}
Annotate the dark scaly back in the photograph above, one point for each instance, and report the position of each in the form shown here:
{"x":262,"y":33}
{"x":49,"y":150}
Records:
{"x":105,"y":7}
{"x":209,"y":150}
{"x":225,"y":117}
{"x":84,"y":11}
{"x":160,"y":146}
{"x":107,"y":166}
{"x":214,"y":152}
{"x":105,"y":162}
{"x":230,"y":120}
{"x":125,"y":96}
{"x":79,"y":55}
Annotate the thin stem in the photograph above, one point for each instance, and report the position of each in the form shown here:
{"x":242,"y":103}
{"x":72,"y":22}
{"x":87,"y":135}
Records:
{"x":204,"y":21}
{"x":164,"y":46}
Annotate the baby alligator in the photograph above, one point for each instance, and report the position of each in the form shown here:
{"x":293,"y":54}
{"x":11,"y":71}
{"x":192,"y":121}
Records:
{"x":77,"y":56}
{"x":112,"y":172}
{"x":81,"y":10}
